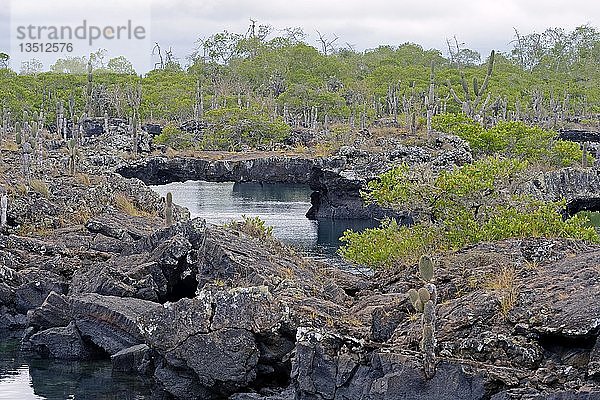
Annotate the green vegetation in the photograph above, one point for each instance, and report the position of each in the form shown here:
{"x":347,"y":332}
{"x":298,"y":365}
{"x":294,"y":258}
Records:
{"x":513,"y":139}
{"x":545,"y":79}
{"x":252,"y":226}
{"x":473,"y":203}
{"x":174,"y":138}
{"x":233,"y":128}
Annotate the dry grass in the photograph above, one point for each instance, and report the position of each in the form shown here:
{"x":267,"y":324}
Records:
{"x":124,"y":204}
{"x":10,"y":146}
{"x":503,"y":283}
{"x":81,"y":216}
{"x":20,"y":189}
{"x":83,"y":179}
{"x":33,"y":230}
{"x":288,"y":273}
{"x":40,"y":187}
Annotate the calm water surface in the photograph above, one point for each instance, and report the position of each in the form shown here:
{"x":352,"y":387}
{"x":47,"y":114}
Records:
{"x":281,"y":206}
{"x":23,"y":377}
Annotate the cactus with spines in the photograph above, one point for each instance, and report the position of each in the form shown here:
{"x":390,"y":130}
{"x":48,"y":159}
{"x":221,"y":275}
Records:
{"x":72,"y":115}
{"x":41,"y":120}
{"x":60,"y":120}
{"x":18,"y":137}
{"x":169,"y":209}
{"x":3,"y":209}
{"x":36,"y":141}
{"x":105,"y":122}
{"x":5,"y":123}
{"x":26,"y":152}
{"x":89,"y":110}
{"x":134,"y":133}
{"x":430,"y":98}
{"x":472,"y":103}
{"x":74,"y":155}
{"x":424,"y":301}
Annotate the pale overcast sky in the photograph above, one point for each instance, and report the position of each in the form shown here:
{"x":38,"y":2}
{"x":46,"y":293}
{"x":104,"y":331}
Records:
{"x":482,"y":25}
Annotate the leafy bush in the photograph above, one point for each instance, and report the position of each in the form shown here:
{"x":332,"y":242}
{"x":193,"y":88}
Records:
{"x":389,"y":244}
{"x":253,"y":226}
{"x":512,"y":139}
{"x":174,"y":137}
{"x":231,"y":128}
{"x":472,"y":203}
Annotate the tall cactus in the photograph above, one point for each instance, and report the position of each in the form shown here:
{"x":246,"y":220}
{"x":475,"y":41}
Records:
{"x":3,"y":208}
{"x":60,"y":119}
{"x":424,"y":301}
{"x":169,"y":209}
{"x":134,"y":134}
{"x":105,"y":122}
{"x":430,"y":98}
{"x":74,"y":155}
{"x":472,"y":101}
{"x":89,"y":109}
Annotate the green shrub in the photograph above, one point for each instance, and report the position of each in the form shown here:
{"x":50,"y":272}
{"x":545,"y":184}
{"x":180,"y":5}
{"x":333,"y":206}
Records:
{"x":472,"y":203}
{"x":174,"y":137}
{"x":566,"y":154}
{"x":231,"y":128}
{"x":512,"y":139}
{"x":389,"y":244}
{"x":253,"y":226}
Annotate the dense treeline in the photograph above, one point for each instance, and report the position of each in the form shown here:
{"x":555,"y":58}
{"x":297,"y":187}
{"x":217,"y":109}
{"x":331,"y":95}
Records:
{"x":546,"y":79}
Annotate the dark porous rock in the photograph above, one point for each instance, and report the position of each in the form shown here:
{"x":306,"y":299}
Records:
{"x":7,"y":274}
{"x":579,"y":135}
{"x":532,"y":394}
{"x":551,"y":298}
{"x":7,"y":295}
{"x":152,"y":129}
{"x":182,"y":383}
{"x":252,"y":308}
{"x":137,"y":359}
{"x":92,"y":126}
{"x":119,"y":226}
{"x":224,"y":361}
{"x":105,"y":244}
{"x":32,"y":294}
{"x":143,"y":280}
{"x":327,"y":366}
{"x":10,"y":320}
{"x":384,"y":323}
{"x":111,"y":323}
{"x":63,"y":343}
{"x":215,"y":335}
{"x":266,"y":394}
{"x":55,"y":311}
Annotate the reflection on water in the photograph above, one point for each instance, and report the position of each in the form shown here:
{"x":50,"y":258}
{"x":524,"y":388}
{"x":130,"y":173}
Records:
{"x":23,"y":377}
{"x":281,"y":206}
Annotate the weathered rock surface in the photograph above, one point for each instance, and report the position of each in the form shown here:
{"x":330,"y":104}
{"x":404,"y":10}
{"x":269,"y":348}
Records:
{"x":231,"y":314}
{"x":336,"y":180}
{"x":211,"y":313}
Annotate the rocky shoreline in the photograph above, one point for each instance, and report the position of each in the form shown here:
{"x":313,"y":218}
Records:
{"x":211,"y":312}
